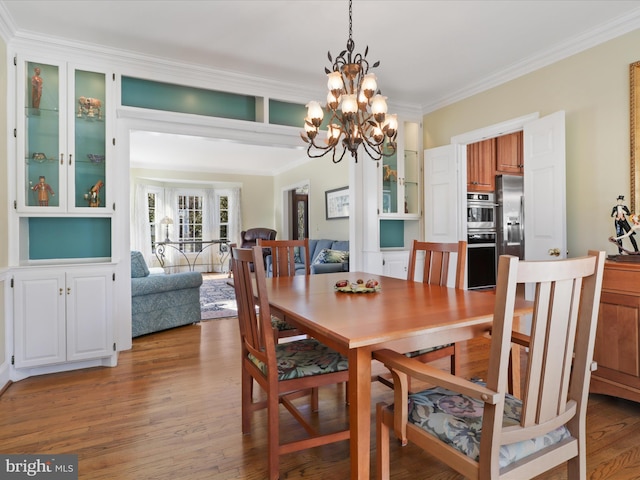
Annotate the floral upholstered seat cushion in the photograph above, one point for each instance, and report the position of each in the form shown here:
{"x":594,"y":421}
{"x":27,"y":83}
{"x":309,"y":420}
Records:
{"x":280,"y":324}
{"x":303,"y":358}
{"x":457,"y":420}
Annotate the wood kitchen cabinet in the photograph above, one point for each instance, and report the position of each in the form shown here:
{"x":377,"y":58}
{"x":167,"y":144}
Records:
{"x":509,"y":158}
{"x":617,"y":348}
{"x":481,"y":163}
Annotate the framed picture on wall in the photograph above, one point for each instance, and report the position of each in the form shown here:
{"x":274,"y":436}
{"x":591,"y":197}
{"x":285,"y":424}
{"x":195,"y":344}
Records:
{"x":337,"y":203}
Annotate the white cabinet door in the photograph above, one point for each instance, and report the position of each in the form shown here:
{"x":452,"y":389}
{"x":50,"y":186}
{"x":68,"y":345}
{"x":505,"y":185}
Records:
{"x":394,"y":264}
{"x":40,"y":335}
{"x":441,"y":209}
{"x":62,"y":317}
{"x":89,"y":325}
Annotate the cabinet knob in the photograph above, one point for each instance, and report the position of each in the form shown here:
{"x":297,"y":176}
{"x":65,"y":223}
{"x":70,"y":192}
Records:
{"x":554,"y":252}
{"x":70,"y":157}
{"x":61,"y":291}
{"x":68,"y":290}
{"x":62,"y":159}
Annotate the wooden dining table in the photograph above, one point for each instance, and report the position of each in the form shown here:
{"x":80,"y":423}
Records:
{"x":402,"y":315}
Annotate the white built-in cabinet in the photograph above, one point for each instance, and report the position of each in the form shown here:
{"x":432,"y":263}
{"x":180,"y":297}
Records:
{"x":392,"y":204}
{"x":63,"y":215}
{"x":62,"y":316}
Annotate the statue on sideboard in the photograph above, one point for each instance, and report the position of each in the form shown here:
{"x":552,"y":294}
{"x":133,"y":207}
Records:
{"x":620,"y":212}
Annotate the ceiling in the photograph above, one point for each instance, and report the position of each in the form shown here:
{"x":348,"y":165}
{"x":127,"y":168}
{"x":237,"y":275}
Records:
{"x":431,"y":52}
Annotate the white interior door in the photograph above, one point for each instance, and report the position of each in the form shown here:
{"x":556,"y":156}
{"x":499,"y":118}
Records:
{"x":545,"y":188}
{"x":441,"y":195}
{"x":441,"y":205}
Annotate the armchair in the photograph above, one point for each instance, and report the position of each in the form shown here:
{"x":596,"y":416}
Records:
{"x":249,"y":238}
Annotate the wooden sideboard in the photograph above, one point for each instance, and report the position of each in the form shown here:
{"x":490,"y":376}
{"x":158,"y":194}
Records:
{"x":617,"y":348}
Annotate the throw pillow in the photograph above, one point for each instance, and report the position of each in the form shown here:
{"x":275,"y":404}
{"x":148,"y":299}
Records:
{"x":327,"y":255}
{"x":139,"y":267}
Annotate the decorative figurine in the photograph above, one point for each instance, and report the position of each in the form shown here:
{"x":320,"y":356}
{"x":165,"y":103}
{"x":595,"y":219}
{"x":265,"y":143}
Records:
{"x":389,"y":173}
{"x":36,"y":88}
{"x":619,"y":213}
{"x":89,"y":106}
{"x":93,"y":197}
{"x":43,"y":190}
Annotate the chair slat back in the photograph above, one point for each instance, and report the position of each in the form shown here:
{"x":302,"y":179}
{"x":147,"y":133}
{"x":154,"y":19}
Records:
{"x":283,"y":256}
{"x":566,"y":302}
{"x":255,"y":325}
{"x":436,"y":262}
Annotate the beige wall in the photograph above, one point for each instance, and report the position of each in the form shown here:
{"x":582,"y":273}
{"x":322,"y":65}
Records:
{"x":256,"y":197}
{"x":593,"y":89}
{"x":322,"y":175}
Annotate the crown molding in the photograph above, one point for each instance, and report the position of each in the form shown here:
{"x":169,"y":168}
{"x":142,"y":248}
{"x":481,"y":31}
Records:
{"x":7,"y":27}
{"x":603,"y":33}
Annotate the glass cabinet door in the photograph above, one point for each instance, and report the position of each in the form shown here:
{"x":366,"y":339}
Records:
{"x":401,"y":176}
{"x":390,"y":184}
{"x":411,"y":182}
{"x":88,"y":124}
{"x":63,"y":143}
{"x":43,"y":181}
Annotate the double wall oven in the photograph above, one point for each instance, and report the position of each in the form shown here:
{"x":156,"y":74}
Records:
{"x":481,"y":240}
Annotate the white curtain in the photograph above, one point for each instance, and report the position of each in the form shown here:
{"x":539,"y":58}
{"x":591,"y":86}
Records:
{"x":140,"y":229}
{"x":171,"y":255}
{"x":209,"y":231}
{"x":235,"y":215}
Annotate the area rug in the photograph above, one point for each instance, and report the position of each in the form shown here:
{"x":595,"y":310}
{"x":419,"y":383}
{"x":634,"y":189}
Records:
{"x":217,"y":299}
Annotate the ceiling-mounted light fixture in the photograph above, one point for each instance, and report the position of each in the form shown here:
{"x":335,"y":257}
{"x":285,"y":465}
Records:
{"x":358,"y":111}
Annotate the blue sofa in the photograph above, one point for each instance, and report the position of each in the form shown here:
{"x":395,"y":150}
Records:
{"x":159,"y":302}
{"x":324,"y":257}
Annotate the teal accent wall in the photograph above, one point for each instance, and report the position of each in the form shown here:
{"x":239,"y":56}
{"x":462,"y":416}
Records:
{"x":57,"y":237}
{"x":291,"y":114}
{"x":285,"y":113}
{"x":169,"y":97}
{"x":391,"y":233}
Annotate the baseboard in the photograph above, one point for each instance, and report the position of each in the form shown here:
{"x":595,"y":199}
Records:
{"x":5,"y":380}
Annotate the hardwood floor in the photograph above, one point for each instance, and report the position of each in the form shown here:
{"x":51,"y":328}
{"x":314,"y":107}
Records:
{"x":171,"y":410}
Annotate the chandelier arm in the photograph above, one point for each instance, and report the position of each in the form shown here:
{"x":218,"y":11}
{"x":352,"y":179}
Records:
{"x":324,"y":151}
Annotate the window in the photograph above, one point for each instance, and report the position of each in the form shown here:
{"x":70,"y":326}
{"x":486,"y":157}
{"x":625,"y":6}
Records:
{"x":190,"y":222}
{"x":223,"y":217}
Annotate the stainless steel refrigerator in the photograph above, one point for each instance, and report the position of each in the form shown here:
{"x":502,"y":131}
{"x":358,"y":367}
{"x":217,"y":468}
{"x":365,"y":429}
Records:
{"x":510,"y":215}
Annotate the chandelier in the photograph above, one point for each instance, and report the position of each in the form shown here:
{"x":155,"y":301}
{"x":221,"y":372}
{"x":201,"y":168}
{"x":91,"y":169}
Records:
{"x":358,"y":111}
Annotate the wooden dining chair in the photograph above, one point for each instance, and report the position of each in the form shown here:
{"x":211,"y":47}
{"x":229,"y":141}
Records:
{"x":436,"y":271}
{"x":477,"y":428}
{"x":285,"y":371}
{"x":284,"y":254}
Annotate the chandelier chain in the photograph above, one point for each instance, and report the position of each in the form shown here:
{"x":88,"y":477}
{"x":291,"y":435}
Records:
{"x":350,"y":22}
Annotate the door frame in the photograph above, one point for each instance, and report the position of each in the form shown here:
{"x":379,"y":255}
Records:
{"x":285,"y":201}
{"x":460,"y":143}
